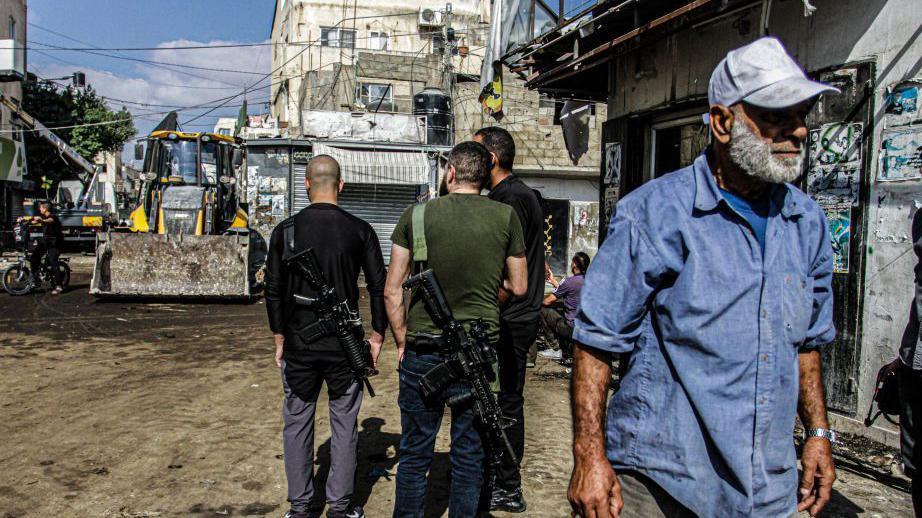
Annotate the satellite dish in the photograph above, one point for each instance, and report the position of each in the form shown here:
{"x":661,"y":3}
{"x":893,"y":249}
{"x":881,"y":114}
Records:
{"x":428,"y":15}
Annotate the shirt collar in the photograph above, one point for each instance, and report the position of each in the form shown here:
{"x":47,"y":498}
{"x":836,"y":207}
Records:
{"x":708,"y":196}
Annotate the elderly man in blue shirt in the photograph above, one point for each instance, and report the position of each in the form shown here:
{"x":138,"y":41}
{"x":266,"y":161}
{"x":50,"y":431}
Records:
{"x":717,"y":280}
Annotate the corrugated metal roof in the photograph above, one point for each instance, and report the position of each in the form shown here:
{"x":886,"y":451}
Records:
{"x":379,"y":167}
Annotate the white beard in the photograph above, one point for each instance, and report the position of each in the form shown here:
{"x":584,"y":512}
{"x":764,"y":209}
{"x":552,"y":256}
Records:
{"x":754,"y":156}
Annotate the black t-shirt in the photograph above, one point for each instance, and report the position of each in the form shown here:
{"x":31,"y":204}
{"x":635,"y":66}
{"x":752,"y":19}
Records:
{"x":344,"y":244}
{"x":53,"y":233}
{"x":524,"y":201}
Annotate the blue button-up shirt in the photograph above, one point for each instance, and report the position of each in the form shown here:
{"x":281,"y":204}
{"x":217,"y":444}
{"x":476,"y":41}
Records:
{"x":714,"y":326}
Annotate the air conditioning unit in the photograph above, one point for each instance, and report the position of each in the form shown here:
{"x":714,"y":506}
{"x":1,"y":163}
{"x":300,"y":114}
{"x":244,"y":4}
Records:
{"x":430,"y":18}
{"x":12,"y":61}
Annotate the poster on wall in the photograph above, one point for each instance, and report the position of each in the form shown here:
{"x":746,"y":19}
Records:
{"x":834,"y":173}
{"x":903,"y":104}
{"x":900,"y":154}
{"x":611,"y":181}
{"x":584,"y":228}
{"x":840,"y":231}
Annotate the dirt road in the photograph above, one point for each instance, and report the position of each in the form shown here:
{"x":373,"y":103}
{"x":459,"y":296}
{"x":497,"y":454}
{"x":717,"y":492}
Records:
{"x":126,"y":409}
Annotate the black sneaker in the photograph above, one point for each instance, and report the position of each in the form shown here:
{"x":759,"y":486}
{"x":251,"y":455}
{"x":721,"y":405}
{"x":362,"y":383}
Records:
{"x":296,"y":514}
{"x":508,"y":500}
{"x":356,"y":512}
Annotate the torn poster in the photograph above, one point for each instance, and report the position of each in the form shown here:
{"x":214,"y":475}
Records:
{"x":902,"y":104}
{"x":900,"y":154}
{"x":834,"y":173}
{"x":840,"y":231}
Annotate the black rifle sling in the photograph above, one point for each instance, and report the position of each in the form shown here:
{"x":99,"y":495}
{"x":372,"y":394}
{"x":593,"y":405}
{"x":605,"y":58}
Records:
{"x":320,"y":328}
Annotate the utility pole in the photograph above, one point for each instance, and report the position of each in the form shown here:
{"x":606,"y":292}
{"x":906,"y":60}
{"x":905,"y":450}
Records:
{"x":447,"y":76}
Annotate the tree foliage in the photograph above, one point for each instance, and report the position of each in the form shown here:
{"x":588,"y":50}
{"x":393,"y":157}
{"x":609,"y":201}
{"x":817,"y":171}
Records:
{"x":56,"y":106}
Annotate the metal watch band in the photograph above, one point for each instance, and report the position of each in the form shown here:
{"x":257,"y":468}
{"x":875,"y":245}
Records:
{"x":827,"y":434}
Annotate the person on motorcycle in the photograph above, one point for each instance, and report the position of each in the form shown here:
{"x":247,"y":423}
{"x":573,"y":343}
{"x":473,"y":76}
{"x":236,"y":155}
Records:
{"x":48,"y":245}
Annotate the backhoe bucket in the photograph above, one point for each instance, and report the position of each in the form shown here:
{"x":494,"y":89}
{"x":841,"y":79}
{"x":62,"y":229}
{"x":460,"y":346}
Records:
{"x":154,"y":265}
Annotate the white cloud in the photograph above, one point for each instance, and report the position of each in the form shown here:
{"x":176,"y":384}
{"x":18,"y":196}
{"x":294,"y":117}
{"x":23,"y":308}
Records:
{"x":158,"y":88}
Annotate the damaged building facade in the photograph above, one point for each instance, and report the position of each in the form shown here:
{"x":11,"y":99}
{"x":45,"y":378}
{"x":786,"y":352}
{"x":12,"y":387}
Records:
{"x":385,"y":79}
{"x":651,"y":63}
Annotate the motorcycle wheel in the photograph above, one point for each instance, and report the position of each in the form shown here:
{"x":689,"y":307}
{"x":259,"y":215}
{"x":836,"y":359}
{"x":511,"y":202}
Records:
{"x":65,"y":274}
{"x":17,"y":280}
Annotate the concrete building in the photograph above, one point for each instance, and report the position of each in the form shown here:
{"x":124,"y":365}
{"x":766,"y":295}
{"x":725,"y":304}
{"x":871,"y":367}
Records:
{"x":12,"y":73}
{"x":651,"y":62}
{"x":370,"y":59}
{"x":257,"y":126}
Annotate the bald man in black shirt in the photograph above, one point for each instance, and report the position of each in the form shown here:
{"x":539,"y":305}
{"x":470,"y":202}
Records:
{"x":343,"y":244}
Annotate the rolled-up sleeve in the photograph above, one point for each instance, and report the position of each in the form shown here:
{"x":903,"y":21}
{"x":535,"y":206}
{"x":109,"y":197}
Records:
{"x":821,"y":330}
{"x":617,"y":289}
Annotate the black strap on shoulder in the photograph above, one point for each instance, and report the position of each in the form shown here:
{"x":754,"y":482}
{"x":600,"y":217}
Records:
{"x":288,"y":234}
{"x":420,"y":248}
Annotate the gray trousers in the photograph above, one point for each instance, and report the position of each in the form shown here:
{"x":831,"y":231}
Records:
{"x":298,"y":440}
{"x":643,"y":498}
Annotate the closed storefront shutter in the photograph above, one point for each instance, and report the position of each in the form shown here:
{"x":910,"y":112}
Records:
{"x":299,"y":198}
{"x":380,"y":205}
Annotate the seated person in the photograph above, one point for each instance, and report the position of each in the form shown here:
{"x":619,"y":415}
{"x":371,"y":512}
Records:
{"x":560,"y":324}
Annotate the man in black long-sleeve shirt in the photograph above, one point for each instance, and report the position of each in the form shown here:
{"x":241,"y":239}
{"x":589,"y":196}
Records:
{"x":519,"y":318}
{"x":343,"y":244}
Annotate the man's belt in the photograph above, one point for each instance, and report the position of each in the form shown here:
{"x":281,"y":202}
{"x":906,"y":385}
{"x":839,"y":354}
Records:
{"x":425,"y":344}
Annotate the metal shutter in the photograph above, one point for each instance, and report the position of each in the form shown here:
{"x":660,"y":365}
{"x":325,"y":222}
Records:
{"x":380,"y":205}
{"x":299,"y":198}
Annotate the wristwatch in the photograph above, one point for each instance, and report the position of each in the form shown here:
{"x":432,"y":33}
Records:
{"x":829,"y":435}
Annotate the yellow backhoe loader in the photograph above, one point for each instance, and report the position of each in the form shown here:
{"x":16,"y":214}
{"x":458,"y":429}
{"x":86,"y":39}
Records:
{"x":188,"y":234}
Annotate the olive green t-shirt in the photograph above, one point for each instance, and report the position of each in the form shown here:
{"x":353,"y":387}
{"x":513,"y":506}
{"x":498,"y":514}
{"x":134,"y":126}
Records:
{"x":468,"y":238}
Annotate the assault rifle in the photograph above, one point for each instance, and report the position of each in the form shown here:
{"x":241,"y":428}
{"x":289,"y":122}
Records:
{"x":468,"y":356}
{"x":334,"y":316}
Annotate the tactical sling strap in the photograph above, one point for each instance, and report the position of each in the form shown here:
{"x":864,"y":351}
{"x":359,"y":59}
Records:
{"x":288,"y":234}
{"x":420,"y":250}
{"x":320,"y":328}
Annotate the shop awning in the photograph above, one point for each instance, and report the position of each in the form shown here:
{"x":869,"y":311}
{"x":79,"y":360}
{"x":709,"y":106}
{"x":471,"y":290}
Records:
{"x":379,"y":167}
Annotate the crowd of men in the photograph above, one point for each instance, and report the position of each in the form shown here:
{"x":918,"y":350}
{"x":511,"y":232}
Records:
{"x":713,"y":286}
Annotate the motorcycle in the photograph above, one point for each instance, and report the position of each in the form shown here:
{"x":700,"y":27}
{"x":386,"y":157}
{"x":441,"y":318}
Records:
{"x":18,"y":278}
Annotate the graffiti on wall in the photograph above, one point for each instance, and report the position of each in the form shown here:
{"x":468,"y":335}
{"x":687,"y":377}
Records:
{"x":834,"y":173}
{"x":900,"y":154}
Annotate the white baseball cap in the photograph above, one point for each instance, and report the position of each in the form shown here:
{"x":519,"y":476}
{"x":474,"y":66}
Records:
{"x":762,"y":74}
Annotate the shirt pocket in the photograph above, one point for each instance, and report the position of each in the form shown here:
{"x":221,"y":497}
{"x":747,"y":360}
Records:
{"x":797,"y":307}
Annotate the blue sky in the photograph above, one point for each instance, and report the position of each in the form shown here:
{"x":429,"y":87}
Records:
{"x":162,"y":24}
{"x":147,"y":90}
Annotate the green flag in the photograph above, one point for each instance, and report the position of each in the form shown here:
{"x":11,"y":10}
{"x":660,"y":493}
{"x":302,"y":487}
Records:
{"x":241,"y":119}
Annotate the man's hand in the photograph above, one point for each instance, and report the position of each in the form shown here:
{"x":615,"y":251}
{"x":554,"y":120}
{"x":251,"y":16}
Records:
{"x":594,"y":489}
{"x":818,"y":476}
{"x":376,"y":341}
{"x":279,"y":348}
{"x":819,"y":471}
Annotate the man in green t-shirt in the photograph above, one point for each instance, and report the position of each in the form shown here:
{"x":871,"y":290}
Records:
{"x":475,"y":246}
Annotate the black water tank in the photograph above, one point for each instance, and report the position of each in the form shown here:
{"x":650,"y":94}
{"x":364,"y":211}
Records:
{"x":435,"y":104}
